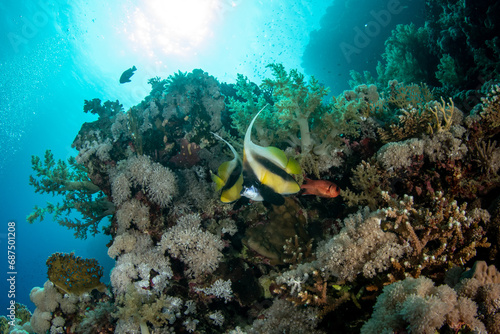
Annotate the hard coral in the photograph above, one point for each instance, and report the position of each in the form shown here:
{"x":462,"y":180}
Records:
{"x":440,"y":234}
{"x":70,"y":180}
{"x":73,"y":274}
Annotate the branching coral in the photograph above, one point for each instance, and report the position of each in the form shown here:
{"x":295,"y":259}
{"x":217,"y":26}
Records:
{"x":411,"y":123}
{"x":298,"y":103}
{"x":410,"y":117}
{"x":443,"y":113}
{"x":369,"y":179}
{"x":80,"y":194}
{"x":405,"y":55}
{"x":441,"y":234}
{"x":185,"y":262}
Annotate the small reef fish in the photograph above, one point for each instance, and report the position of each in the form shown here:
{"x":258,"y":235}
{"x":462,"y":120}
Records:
{"x":268,"y":169}
{"x":127,"y":74}
{"x":321,"y":188}
{"x":230,"y":176}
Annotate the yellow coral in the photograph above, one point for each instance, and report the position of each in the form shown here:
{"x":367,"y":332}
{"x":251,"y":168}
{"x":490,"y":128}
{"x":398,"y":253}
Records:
{"x":73,"y":274}
{"x":442,"y":112}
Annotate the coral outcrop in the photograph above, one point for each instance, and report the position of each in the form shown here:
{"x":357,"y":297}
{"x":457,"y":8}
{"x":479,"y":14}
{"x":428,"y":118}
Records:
{"x":401,"y":249}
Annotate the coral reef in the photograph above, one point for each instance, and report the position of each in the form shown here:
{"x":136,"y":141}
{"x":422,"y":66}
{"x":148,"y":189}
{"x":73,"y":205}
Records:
{"x":61,"y":313}
{"x":401,"y":249}
{"x":269,"y":238}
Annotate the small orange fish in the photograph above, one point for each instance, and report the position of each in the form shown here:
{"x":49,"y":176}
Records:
{"x":321,"y":188}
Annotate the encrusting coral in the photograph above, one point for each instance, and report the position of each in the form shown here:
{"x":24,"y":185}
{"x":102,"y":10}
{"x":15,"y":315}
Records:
{"x":72,"y":274}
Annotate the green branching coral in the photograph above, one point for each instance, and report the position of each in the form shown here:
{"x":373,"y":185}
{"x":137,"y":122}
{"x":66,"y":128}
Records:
{"x":406,"y":55}
{"x":248,"y":103}
{"x":298,"y":103}
{"x":80,"y":194}
{"x":107,"y":110}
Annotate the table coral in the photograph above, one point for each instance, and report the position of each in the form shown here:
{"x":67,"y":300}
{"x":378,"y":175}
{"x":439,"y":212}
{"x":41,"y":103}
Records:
{"x":73,"y":274}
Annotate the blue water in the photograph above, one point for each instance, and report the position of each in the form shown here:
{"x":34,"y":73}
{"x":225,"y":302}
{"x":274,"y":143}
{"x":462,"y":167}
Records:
{"x":55,"y":54}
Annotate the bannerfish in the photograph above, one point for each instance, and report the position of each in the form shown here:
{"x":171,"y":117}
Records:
{"x":321,"y":188}
{"x":230,"y":176}
{"x":268,"y":169}
{"x":127,"y":74}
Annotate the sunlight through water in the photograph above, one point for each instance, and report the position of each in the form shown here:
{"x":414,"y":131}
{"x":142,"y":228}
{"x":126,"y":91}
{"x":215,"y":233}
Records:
{"x":171,"y":27}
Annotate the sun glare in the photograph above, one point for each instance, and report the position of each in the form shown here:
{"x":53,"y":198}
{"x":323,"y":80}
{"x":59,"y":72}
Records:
{"x":171,"y":27}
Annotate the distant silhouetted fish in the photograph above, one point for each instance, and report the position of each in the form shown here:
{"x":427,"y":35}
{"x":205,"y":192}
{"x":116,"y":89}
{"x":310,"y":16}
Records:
{"x":125,"y":77}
